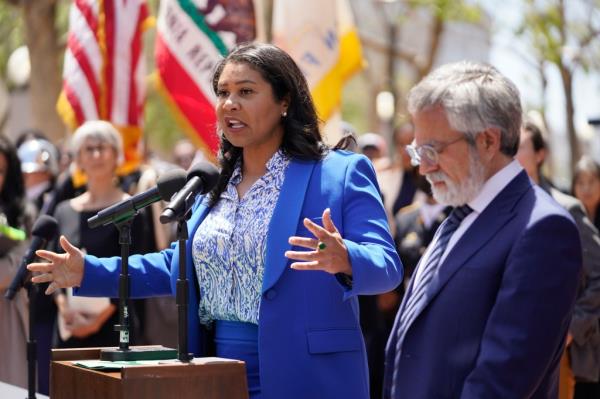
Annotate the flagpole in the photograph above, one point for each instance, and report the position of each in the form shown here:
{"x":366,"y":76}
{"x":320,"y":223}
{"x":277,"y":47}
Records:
{"x":391,"y":10}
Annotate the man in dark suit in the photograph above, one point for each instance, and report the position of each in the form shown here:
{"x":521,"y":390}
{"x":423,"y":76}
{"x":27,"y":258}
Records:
{"x":489,"y":305}
{"x":583,"y":339}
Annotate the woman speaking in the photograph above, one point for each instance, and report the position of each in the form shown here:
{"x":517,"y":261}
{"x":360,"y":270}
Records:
{"x":280,"y":248}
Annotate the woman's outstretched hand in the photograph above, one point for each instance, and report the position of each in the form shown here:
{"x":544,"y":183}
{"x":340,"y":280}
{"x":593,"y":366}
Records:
{"x":62,"y":271}
{"x":328,"y":251}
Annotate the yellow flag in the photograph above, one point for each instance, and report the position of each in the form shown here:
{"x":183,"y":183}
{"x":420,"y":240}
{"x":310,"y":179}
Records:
{"x":323,"y":40}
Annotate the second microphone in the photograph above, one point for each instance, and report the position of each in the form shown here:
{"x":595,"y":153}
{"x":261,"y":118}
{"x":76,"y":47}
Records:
{"x":167,"y":185}
{"x":201,"y":178}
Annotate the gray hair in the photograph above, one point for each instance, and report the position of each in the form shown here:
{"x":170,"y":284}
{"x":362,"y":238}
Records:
{"x":475,"y":97}
{"x":102,"y":131}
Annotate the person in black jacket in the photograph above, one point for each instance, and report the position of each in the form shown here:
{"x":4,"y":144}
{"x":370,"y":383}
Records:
{"x":583,"y":340}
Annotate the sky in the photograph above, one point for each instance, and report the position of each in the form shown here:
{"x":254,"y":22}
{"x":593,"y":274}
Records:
{"x":505,"y":56}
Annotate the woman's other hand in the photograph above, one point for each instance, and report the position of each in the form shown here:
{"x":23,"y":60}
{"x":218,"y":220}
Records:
{"x":328,"y":251}
{"x":63,"y":270}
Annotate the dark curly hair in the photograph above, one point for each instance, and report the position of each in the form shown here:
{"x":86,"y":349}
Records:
{"x":302,"y":137}
{"x":12,"y":193}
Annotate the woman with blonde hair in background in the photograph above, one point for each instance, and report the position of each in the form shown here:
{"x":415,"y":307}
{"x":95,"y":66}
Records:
{"x":97,"y":151}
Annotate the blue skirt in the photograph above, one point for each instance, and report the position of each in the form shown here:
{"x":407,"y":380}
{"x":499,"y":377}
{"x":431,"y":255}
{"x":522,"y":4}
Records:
{"x":238,"y":340}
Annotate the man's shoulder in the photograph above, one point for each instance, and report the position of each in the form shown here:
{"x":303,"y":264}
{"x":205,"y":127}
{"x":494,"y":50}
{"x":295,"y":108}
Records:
{"x":529,"y":203}
{"x":578,"y":213}
{"x":567,"y":201}
{"x":544,"y":206}
{"x":548,"y":201}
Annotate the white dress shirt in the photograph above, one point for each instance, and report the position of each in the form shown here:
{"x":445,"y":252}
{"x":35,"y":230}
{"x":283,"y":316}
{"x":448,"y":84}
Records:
{"x":491,"y":188}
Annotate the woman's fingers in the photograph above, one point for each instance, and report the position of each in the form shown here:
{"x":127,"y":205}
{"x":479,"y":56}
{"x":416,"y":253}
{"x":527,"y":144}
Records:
{"x":68,"y":247}
{"x":328,"y":221}
{"x":301,"y":255}
{"x":49,"y":255}
{"x":40,"y":267}
{"x":314,"y":265}
{"x":54,"y":257}
{"x":42,"y":278}
{"x":314,"y":228}
{"x":322,"y":232}
{"x":51,"y":288}
{"x":327,"y":250}
{"x":303,"y":242}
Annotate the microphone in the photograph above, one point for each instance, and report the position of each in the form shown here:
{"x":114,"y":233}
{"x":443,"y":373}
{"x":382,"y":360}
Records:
{"x":201,"y":178}
{"x":43,"y":230}
{"x":167,"y":185}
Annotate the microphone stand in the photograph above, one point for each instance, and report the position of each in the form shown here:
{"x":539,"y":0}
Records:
{"x":182,"y":288}
{"x":48,"y":208}
{"x":32,"y":290}
{"x":124,"y":352}
{"x":182,"y":297}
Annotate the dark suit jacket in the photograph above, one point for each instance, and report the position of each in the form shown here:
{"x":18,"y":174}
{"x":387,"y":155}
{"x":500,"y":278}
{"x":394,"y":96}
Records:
{"x":584,"y":351}
{"x":497,"y":313}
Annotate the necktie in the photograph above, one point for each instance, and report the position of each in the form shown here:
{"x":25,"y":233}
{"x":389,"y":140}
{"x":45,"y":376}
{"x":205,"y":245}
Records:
{"x":412,"y":302}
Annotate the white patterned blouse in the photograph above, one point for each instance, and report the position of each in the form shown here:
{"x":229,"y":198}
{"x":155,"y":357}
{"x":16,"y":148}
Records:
{"x":229,"y":247}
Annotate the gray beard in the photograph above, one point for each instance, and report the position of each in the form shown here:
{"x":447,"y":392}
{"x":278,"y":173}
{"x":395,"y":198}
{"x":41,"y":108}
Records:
{"x":457,"y":194}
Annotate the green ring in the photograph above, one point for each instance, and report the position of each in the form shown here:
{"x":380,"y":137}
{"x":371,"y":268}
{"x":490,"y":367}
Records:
{"x":322,"y":246}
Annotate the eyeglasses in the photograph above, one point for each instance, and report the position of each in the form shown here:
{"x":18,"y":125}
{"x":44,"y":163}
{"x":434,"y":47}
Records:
{"x":429,"y":152}
{"x":91,"y":149}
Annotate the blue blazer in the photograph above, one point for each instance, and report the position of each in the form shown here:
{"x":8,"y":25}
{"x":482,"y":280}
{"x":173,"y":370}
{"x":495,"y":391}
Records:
{"x":496,"y":317}
{"x":310,"y":343}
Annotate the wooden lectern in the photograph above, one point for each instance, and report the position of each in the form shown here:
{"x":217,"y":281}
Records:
{"x":180,"y":380}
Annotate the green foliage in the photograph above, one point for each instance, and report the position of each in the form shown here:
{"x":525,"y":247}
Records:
{"x":11,"y":32}
{"x":12,"y":29}
{"x":355,"y":104}
{"x":450,"y":10}
{"x":563,"y":33}
{"x":160,"y":128}
{"x":62,"y":19}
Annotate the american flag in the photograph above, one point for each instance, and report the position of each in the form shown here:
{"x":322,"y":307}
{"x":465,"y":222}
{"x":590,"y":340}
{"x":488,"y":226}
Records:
{"x":104,"y":72}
